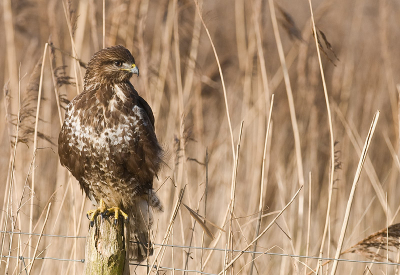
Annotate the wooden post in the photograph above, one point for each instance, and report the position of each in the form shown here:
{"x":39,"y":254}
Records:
{"x":105,"y":251}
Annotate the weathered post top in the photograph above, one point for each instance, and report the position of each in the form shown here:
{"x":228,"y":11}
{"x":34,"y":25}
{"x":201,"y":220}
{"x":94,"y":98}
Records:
{"x":106,"y":247}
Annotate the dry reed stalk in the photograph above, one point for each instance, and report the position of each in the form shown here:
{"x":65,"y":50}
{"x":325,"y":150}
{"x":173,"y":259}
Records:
{"x":347,"y":69}
{"x":387,"y":237}
{"x":373,"y":177}
{"x":61,"y":206}
{"x":286,"y":231}
{"x":256,"y":135}
{"x":308,"y":219}
{"x":198,"y":219}
{"x":289,"y":94}
{"x":52,"y":232}
{"x":205,"y":209}
{"x":397,"y":164}
{"x":80,"y":31}
{"x":166,"y":44}
{"x":222,"y":78}
{"x":182,"y":236}
{"x":225,"y":257}
{"x":181,"y":111}
{"x":143,"y":10}
{"x":37,"y":223}
{"x":264,"y":95}
{"x":11,"y":172}
{"x":387,"y":57}
{"x":40,"y":237}
{"x":117,"y":13}
{"x":256,"y":219}
{"x":182,"y":175}
{"x":261,"y":201}
{"x":74,"y":218}
{"x":233,"y":196}
{"x":187,"y":88}
{"x":11,"y":53}
{"x":104,"y":24}
{"x":388,"y":65}
{"x":216,"y":240}
{"x":77,"y":70}
{"x":11,"y":177}
{"x":260,"y":53}
{"x":14,"y":155}
{"x":4,"y":216}
{"x":242,"y":233}
{"x":294,"y":51}
{"x":168,"y":232}
{"x":131,"y":27}
{"x":12,"y":83}
{"x":355,"y":231}
{"x":172,"y":250}
{"x":263,"y":232}
{"x":293,"y":118}
{"x":240,"y":28}
{"x":156,"y":42}
{"x":56,"y":92}
{"x":35,"y":146}
{"x":74,"y":52}
{"x":353,"y":189}
{"x":76,"y":232}
{"x":93,"y":26}
{"x":393,"y":153}
{"x":40,"y":216}
{"x":332,"y":141}
{"x":19,"y":209}
{"x":194,"y":48}
{"x":248,"y":75}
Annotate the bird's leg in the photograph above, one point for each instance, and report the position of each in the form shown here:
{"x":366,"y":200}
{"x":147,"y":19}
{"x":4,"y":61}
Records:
{"x":100,"y":210}
{"x":116,"y":210}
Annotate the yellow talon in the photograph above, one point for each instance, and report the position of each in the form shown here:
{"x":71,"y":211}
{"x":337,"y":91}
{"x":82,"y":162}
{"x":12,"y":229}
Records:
{"x":92,"y":214}
{"x":116,"y":210}
{"x":102,"y":209}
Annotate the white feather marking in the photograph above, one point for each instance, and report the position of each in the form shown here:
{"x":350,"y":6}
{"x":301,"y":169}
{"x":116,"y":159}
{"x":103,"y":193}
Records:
{"x":120,"y":93}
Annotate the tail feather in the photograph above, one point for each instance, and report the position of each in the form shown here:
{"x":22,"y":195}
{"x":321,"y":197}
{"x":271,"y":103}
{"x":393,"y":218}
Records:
{"x":141,"y":220}
{"x":140,"y":247}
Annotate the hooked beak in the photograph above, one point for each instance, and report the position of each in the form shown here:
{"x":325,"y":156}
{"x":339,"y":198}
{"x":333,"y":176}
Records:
{"x":134,"y":69}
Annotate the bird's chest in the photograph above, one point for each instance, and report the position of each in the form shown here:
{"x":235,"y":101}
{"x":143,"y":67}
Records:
{"x":105,"y":131}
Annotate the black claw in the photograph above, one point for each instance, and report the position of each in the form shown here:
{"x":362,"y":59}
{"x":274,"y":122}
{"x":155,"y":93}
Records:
{"x":91,"y":223}
{"x":115,"y":221}
{"x":87,"y":216}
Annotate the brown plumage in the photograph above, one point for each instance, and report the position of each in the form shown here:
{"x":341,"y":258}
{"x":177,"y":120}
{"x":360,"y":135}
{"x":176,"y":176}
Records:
{"x":109,"y":145}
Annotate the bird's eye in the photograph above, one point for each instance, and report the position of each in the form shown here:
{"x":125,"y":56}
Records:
{"x":118,"y":63}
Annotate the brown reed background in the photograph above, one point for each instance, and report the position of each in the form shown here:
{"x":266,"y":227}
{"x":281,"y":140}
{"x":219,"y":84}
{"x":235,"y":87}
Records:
{"x":179,"y":78}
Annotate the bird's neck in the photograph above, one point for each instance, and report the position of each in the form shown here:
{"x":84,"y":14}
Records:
{"x":110,"y":93}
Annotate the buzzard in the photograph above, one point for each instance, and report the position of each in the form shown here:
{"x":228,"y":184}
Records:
{"x":109,"y":145}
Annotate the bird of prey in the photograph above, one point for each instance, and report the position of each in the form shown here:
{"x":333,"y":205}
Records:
{"x":108,"y":143}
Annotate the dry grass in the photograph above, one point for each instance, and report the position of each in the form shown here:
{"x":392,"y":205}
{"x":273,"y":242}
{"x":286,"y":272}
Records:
{"x":206,"y":66}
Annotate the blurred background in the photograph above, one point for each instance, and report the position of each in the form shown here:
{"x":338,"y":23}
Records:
{"x":236,"y":178}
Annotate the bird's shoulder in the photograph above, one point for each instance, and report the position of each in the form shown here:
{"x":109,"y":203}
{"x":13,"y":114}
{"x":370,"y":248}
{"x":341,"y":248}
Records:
{"x":146,"y":108}
{"x":133,"y":100}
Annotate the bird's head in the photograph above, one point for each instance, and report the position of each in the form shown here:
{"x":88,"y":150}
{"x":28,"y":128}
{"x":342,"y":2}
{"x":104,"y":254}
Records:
{"x":111,"y":65}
